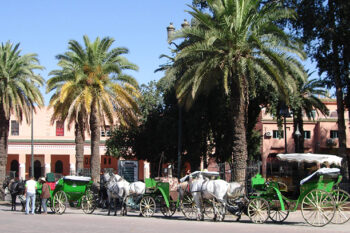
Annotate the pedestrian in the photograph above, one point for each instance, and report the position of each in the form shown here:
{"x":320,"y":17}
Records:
{"x":45,"y":194}
{"x":30,"y":190}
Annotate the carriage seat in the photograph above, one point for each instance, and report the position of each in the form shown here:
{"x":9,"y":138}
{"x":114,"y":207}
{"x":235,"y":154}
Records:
{"x":328,"y":173}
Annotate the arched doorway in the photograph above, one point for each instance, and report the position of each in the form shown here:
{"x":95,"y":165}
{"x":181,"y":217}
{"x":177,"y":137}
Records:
{"x":59,"y":166}
{"x":37,"y":169}
{"x":14,"y":167}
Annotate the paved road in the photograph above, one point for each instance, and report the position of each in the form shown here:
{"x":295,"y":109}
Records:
{"x":74,"y":220}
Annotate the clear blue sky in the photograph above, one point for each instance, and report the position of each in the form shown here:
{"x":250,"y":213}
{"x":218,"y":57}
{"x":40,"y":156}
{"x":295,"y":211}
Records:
{"x":45,"y":27}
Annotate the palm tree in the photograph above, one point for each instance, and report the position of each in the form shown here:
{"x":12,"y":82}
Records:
{"x":70,"y":109}
{"x":306,"y":100}
{"x":19,"y":93}
{"x":237,"y":42}
{"x":91,"y":83}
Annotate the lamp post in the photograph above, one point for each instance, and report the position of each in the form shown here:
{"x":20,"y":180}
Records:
{"x":32,"y":143}
{"x":285,"y":113}
{"x":297,"y":134}
{"x":170,"y":30}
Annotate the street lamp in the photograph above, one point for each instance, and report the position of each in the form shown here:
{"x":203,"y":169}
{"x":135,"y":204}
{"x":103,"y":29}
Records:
{"x":170,"y":30}
{"x":32,"y":142}
{"x":297,"y":134}
{"x":284,"y":111}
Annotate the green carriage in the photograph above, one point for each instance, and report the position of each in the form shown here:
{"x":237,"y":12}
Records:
{"x":320,"y":199}
{"x":157,"y":196}
{"x":75,"y":190}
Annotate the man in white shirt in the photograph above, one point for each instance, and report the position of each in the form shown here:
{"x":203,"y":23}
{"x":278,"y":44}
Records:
{"x":30,"y":191}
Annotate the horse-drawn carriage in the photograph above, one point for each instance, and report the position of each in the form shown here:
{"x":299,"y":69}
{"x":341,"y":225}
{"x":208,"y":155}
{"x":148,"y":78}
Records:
{"x":75,"y":190}
{"x":320,"y":200}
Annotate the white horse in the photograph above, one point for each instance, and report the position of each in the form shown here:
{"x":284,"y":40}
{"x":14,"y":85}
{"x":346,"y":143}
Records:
{"x":214,"y":190}
{"x":122,"y":188}
{"x":112,"y":191}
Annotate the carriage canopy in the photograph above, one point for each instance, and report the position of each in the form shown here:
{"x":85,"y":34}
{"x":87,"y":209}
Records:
{"x":311,"y":158}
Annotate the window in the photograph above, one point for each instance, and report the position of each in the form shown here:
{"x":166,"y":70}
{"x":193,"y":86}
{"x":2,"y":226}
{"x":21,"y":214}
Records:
{"x":59,"y":166}
{"x":59,"y":128}
{"x":14,"y":128}
{"x":334,"y":134}
{"x":307,"y":134}
{"x":333,"y":114}
{"x":109,"y":161}
{"x":86,"y":161}
{"x":105,"y":161}
{"x":277,"y":134}
{"x":106,"y":131}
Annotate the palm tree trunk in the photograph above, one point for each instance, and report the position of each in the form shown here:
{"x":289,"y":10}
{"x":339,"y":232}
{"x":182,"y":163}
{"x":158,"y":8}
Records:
{"x":95,"y":144}
{"x":239,"y":113}
{"x":4,"y":132}
{"x":79,"y":142}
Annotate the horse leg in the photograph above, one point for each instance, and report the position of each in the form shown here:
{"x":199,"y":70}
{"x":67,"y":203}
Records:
{"x":13,"y":202}
{"x":115,"y":206}
{"x":109,"y":205}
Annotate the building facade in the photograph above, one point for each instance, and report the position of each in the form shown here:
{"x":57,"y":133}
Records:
{"x":320,"y":134}
{"x":54,"y":150}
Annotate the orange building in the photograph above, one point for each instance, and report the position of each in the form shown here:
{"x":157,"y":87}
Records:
{"x":320,"y":134}
{"x":54,"y":150}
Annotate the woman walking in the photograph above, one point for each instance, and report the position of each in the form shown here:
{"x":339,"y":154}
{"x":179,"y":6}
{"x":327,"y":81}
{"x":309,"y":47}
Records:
{"x":45,"y":194}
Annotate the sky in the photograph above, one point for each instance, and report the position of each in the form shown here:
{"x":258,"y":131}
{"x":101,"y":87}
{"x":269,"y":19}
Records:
{"x":45,"y":27}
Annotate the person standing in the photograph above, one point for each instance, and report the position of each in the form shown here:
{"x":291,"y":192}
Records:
{"x":30,"y":190}
{"x":45,"y":194}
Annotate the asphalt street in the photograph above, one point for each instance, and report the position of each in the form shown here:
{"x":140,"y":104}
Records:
{"x":74,"y":220}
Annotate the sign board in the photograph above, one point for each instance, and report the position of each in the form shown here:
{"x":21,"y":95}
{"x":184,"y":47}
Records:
{"x":129,"y":169}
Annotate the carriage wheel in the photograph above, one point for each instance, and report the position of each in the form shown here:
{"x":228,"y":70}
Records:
{"x":147,"y":206}
{"x":167,"y":211}
{"x":318,"y":208}
{"x":342,"y":204}
{"x":188,"y":207}
{"x":59,"y":202}
{"x":258,"y":210}
{"x":88,"y":203}
{"x":208,"y":209}
{"x":276,"y":213}
{"x":220,"y":211}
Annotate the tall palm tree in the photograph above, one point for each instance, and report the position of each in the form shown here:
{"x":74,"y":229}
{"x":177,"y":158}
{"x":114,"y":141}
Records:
{"x":19,"y":93}
{"x":237,"y":42}
{"x":70,"y":109}
{"x":91,"y":82}
{"x":306,"y":100}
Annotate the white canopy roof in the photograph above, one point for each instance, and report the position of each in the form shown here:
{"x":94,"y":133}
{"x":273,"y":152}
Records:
{"x":311,"y":158}
{"x":196,"y":173}
{"x":77,"y":178}
{"x":321,"y":171}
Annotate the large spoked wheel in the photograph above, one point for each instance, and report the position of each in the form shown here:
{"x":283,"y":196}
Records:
{"x":318,"y":208}
{"x":88,"y":203}
{"x":219,"y":211}
{"x":342,"y":204}
{"x":258,"y":210}
{"x":167,"y":211}
{"x":276,"y":213}
{"x":188,"y":207}
{"x":59,"y":202}
{"x":147,"y":206}
{"x":208,"y":209}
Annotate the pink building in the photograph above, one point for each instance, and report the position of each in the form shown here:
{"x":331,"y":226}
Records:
{"x":320,"y":134}
{"x":54,"y":149}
